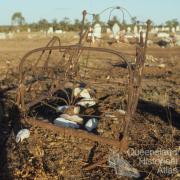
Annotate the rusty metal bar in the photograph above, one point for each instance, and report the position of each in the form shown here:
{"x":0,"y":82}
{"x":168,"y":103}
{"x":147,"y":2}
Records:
{"x":75,"y":133}
{"x":117,"y":53}
{"x":82,"y":27}
{"x":73,"y":53}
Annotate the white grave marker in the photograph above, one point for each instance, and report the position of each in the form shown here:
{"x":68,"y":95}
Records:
{"x":97,"y":31}
{"x":173,"y":30}
{"x":177,"y":28}
{"x":58,"y":31}
{"x":50,"y":30}
{"x":2,"y":35}
{"x":135,"y":29}
{"x":129,"y":29}
{"x":167,"y":29}
{"x":10,"y":35}
{"x":163,"y":28}
{"x":157,"y":29}
{"x":153,"y":31}
{"x":140,"y":28}
{"x":115,"y":30}
{"x":163,"y":35}
{"x":28,"y":30}
{"x":108,"y":31}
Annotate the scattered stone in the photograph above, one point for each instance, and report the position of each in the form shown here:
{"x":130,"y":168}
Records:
{"x":150,"y":58}
{"x":71,"y":110}
{"x":86,"y":102}
{"x":122,"y":111}
{"x":65,"y":123}
{"x":164,"y":42}
{"x":62,"y":108}
{"x":122,"y":167}
{"x":22,"y":134}
{"x":163,"y":35}
{"x":73,"y":118}
{"x":91,"y":124}
{"x":162,"y":65}
{"x":81,"y":92}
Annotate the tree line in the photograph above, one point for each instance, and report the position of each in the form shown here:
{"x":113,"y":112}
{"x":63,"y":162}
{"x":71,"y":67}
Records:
{"x":18,"y":21}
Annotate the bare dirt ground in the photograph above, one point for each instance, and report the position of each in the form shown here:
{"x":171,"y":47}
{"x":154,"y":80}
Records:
{"x":48,"y":155}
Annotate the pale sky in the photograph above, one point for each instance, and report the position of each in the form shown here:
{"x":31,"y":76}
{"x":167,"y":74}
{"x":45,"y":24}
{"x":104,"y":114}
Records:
{"x":33,"y":10}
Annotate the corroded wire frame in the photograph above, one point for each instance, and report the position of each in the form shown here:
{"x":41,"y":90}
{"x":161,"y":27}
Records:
{"x":21,"y":91}
{"x":134,"y":86}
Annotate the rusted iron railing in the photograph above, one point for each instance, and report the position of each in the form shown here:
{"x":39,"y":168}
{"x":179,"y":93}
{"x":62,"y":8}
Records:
{"x":67,"y":68}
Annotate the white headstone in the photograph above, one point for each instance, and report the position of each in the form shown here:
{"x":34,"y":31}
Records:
{"x":97,"y":31}
{"x":10,"y":35}
{"x":50,"y":30}
{"x":58,"y":31}
{"x":163,"y":28}
{"x":153,"y":31}
{"x":28,"y":30}
{"x":129,"y":29}
{"x":157,"y":29}
{"x":163,"y":35}
{"x":167,"y":29}
{"x":173,"y":30}
{"x":135,"y":29}
{"x":108,"y":31}
{"x":140,"y":28}
{"x":122,"y":34}
{"x":177,"y":28}
{"x":90,"y":35}
{"x":178,"y":43}
{"x":2,"y":35}
{"x":115,"y":30}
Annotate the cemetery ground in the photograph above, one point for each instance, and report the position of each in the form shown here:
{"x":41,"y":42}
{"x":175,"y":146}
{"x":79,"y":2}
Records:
{"x":156,"y":125}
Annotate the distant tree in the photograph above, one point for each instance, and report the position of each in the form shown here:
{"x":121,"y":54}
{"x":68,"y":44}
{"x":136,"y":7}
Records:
{"x":172,"y":23}
{"x":96,"y":18}
{"x":65,"y":23}
{"x":77,"y":24}
{"x":134,"y":20}
{"x":17,"y":19}
{"x":112,"y":21}
{"x":43,"y":24}
{"x":34,"y":26}
{"x":87,"y":24}
{"x":55,"y":24}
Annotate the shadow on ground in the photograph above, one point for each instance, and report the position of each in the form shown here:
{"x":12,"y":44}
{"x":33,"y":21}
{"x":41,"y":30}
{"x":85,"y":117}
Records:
{"x":167,"y":114}
{"x":9,"y":126}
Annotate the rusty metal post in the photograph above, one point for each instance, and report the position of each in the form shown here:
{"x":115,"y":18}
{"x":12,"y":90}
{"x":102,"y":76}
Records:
{"x":82,"y":26}
{"x":147,"y":36}
{"x":135,"y":80}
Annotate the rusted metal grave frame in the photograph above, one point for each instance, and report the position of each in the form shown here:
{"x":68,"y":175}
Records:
{"x":134,"y":87}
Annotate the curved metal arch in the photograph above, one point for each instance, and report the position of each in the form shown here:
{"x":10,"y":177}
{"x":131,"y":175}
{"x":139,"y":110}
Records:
{"x":75,"y":47}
